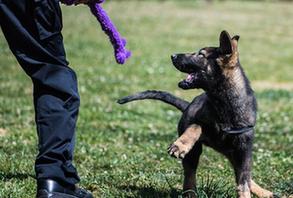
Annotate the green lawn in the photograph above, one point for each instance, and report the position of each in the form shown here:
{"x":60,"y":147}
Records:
{"x":121,"y":150}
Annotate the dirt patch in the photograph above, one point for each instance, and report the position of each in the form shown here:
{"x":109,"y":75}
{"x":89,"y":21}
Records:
{"x":3,"y":132}
{"x":261,"y":85}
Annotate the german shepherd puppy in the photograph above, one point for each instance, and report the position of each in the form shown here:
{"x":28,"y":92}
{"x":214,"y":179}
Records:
{"x":223,"y":117}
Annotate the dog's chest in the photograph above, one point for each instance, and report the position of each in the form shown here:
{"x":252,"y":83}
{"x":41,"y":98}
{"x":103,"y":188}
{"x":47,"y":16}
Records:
{"x":225,"y":143}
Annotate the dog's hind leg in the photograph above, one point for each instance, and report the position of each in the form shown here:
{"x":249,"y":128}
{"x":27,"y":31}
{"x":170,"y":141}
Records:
{"x":190,"y":163}
{"x":259,"y":191}
{"x":185,"y":142}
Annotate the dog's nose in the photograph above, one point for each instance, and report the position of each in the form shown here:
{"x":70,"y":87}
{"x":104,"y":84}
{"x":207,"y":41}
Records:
{"x":173,"y":56}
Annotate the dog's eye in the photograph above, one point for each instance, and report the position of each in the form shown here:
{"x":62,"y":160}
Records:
{"x":201,"y":55}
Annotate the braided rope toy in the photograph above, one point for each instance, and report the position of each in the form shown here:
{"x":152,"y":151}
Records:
{"x":118,"y":42}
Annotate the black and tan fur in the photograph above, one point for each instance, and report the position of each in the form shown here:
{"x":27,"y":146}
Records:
{"x":222,"y":117}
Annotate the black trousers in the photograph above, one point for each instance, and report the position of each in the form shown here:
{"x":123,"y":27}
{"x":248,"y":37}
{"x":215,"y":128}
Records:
{"x":32,"y":29}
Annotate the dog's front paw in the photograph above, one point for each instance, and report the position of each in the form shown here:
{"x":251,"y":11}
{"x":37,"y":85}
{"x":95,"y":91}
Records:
{"x":173,"y":150}
{"x":189,"y":194}
{"x":185,"y":142}
{"x":178,"y":149}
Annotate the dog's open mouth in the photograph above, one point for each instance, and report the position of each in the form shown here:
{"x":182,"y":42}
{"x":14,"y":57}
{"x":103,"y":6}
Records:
{"x":188,"y":82}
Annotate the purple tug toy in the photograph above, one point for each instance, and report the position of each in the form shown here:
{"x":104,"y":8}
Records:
{"x":119,"y":43}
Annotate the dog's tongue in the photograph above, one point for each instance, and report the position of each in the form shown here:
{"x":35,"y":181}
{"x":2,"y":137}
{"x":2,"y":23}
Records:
{"x":189,"y":77}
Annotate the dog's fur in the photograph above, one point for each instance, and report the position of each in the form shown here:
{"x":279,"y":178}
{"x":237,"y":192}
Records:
{"x":223,"y":117}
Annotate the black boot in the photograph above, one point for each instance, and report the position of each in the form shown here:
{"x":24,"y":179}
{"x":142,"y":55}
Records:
{"x":48,"y":188}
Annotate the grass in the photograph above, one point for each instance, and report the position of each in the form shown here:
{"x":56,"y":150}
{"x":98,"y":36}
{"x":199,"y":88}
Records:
{"x":121,"y":150}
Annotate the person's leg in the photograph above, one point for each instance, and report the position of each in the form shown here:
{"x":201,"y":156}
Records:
{"x":33,"y":31}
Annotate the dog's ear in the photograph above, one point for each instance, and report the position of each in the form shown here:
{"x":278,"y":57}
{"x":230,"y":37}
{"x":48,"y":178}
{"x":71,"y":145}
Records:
{"x":228,"y":50}
{"x":234,"y":42}
{"x":225,"y":43}
{"x":236,"y":37}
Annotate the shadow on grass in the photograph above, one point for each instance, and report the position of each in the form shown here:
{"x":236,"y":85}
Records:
{"x":286,"y":187}
{"x":207,"y":188}
{"x":150,"y":192}
{"x":19,"y":176}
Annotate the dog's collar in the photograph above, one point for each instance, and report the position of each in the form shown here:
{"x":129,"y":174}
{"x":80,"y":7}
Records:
{"x":238,"y":130}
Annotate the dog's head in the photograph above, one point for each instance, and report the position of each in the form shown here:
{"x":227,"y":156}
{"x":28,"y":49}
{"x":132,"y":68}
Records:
{"x":209,"y":64}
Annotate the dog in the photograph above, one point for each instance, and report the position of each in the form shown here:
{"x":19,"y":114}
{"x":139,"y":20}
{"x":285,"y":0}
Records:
{"x":223,"y":117}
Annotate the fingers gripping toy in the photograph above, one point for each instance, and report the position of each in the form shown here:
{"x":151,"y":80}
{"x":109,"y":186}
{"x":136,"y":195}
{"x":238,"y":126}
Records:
{"x":118,"y":43}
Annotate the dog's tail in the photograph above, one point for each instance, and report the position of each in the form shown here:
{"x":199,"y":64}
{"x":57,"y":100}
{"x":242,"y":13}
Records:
{"x":157,"y":95}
